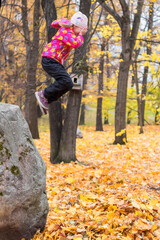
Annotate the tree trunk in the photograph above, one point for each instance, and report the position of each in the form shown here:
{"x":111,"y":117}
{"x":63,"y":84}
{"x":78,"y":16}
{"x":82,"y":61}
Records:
{"x":31,"y":104}
{"x":120,"y":111}
{"x":67,"y":150}
{"x":55,"y":129}
{"x":128,"y":42}
{"x":55,"y":113}
{"x":82,"y":115}
{"x":50,"y":14}
{"x":106,"y":119}
{"x":99,"y":124}
{"x":146,"y":68}
{"x":157,"y":116}
{"x":129,"y":112}
{"x":138,"y":98}
{"x":129,"y":35}
{"x":32,"y":49}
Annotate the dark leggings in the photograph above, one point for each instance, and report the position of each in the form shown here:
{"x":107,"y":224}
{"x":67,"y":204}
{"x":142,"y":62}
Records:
{"x":63,"y":83}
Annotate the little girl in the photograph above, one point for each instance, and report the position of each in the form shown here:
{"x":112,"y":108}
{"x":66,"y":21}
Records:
{"x":69,"y":36}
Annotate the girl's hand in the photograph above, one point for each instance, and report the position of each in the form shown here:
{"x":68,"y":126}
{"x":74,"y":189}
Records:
{"x":83,"y":31}
{"x":61,"y":24}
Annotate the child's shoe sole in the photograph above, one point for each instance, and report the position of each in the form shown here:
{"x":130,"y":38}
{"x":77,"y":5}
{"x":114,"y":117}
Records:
{"x":43,"y":109}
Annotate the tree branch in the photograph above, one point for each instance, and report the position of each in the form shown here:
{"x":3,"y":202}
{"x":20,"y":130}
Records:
{"x":146,"y":40}
{"x":113,"y":5}
{"x":136,"y":23}
{"x":68,"y":8}
{"x":139,"y":61}
{"x":15,"y":25}
{"x":100,"y":15}
{"x":25,"y":22}
{"x":111,"y":11}
{"x":124,"y":6}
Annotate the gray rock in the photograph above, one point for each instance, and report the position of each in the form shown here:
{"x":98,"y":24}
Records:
{"x":79,"y":133}
{"x":23,"y":199}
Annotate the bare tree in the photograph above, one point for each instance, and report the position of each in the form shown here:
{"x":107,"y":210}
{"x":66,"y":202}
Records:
{"x":99,"y":124}
{"x":55,"y":113}
{"x":67,"y":150}
{"x":146,"y":68}
{"x":83,"y":105}
{"x":32,"y":53}
{"x":129,"y":33}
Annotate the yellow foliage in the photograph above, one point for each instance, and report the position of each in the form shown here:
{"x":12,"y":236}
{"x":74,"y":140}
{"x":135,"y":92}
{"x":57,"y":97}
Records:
{"x":121,"y":132}
{"x":114,"y":196}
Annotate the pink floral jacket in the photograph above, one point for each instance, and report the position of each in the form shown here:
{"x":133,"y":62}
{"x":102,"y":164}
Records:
{"x":62,"y":42}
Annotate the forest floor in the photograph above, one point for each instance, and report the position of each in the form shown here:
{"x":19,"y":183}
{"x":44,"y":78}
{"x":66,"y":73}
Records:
{"x":113,"y":192}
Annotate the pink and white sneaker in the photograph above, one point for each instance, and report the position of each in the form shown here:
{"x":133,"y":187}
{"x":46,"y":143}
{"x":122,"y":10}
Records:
{"x":42,"y":101}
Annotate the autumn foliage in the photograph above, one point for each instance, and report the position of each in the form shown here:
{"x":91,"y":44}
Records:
{"x":111,"y":192}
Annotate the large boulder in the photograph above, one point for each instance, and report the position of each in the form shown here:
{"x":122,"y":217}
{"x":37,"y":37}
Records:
{"x":23,"y":198}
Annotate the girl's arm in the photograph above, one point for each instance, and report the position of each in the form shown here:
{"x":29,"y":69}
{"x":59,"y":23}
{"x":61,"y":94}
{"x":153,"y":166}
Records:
{"x":64,"y":22}
{"x":69,"y":38}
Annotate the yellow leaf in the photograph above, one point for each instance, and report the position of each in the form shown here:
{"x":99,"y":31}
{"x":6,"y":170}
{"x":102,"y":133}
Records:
{"x":142,"y":225}
{"x":54,"y":191}
{"x":154,"y":227}
{"x":70,"y":180}
{"x":153,"y":202}
{"x":136,"y":205}
{"x":111,"y":201}
{"x":83,"y":198}
{"x":150,"y":217}
{"x":157,"y":232}
{"x":123,"y":227}
{"x":53,"y":227}
{"x":110,"y":215}
{"x":47,"y":235}
{"x":121,"y":132}
{"x":154,"y":56}
{"x":104,"y":237}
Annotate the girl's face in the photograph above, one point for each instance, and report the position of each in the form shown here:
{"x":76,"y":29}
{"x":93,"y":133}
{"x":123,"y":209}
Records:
{"x":78,"y":30}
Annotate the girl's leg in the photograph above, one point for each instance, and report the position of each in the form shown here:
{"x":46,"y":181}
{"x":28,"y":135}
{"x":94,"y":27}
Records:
{"x":63,"y":83}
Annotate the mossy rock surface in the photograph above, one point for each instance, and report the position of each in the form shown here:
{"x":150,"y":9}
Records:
{"x":23,"y":199}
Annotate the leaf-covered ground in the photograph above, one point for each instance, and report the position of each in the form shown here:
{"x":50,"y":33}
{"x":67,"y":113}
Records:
{"x":114,"y":194}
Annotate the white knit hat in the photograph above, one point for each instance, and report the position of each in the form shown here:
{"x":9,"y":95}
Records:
{"x":79,"y":20}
